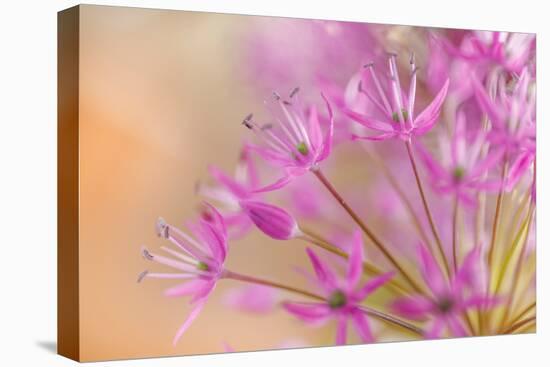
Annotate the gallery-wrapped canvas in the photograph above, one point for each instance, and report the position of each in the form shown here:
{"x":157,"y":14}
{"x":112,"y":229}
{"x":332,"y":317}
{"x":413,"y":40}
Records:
{"x":240,"y":183}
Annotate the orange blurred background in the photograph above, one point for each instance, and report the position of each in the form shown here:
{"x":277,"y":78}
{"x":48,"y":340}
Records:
{"x":162,"y":94}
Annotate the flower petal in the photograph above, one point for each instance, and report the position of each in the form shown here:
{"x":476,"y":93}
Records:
{"x":355,"y":263}
{"x":324,"y":274}
{"x":187,"y":288}
{"x":373,"y":284}
{"x":341,"y":330}
{"x":327,"y":143}
{"x":486,"y":104}
{"x":430,"y":114}
{"x":436,"y":328}
{"x":414,"y":307}
{"x":281,"y":182}
{"x":430,"y":271}
{"x":456,"y":327}
{"x":192,"y":316}
{"x":369,"y":122}
{"x":308,"y":312}
{"x":271,"y":220}
{"x":228,"y":182}
{"x":362,"y":326}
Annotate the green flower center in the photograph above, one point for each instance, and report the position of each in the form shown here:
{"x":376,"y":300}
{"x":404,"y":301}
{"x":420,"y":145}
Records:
{"x":202,"y":266}
{"x":337,"y":299}
{"x":302,"y":148}
{"x":395,"y":115}
{"x":458,"y":173}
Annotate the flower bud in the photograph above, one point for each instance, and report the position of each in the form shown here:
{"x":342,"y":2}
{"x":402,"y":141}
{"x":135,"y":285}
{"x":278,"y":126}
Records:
{"x":273,"y":221}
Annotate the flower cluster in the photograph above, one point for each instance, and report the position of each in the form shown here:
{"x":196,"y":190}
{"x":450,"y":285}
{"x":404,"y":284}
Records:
{"x":452,"y":147}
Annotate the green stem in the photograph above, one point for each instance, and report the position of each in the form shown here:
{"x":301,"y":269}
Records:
{"x":370,"y":234}
{"x":520,"y":324}
{"x":427,"y":210}
{"x":525,"y":311}
{"x":455,"y":234}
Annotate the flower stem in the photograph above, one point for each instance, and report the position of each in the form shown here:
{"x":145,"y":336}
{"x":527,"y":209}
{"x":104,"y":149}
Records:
{"x":250,"y":279}
{"x":524,"y":312}
{"x":496,"y":218}
{"x":408,"y":144}
{"x":517,"y":269}
{"x":520,"y":324}
{"x":369,"y":311}
{"x":392,"y":320}
{"x":492,"y":245}
{"x":317,"y":240}
{"x":399,"y":191}
{"x":370,"y":234}
{"x":455,"y":234}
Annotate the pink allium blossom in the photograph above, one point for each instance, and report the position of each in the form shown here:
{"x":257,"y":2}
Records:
{"x":462,"y":168}
{"x":512,"y":51}
{"x":449,"y":301}
{"x":243,"y":210}
{"x":230,"y":191}
{"x":199,"y":260}
{"x":395,"y":117}
{"x":294,"y":141}
{"x":512,"y":116}
{"x":343,"y":296}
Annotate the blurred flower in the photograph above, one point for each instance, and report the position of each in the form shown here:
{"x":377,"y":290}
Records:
{"x":198,"y":260}
{"x":271,"y":220}
{"x":395,"y":117}
{"x":461,"y":169}
{"x":450,"y":300}
{"x":253,"y":298}
{"x":343,"y":296}
{"x":512,"y":51}
{"x":512,"y":116}
{"x":279,"y":51}
{"x":295,"y":142}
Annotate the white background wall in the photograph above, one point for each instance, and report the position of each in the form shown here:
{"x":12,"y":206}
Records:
{"x":28,"y":182}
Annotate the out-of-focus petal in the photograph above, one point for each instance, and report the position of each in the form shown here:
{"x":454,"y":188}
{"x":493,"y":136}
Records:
{"x":308,"y":312}
{"x":362,"y":326}
{"x":341,"y":330}
{"x":414,"y":307}
{"x":355,"y":266}
{"x":431,"y":271}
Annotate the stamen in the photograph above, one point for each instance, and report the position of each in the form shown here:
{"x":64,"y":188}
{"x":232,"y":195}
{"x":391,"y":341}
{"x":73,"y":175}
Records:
{"x":369,"y":65}
{"x":247,"y":120}
{"x":162,"y":228}
{"x":276,"y":96}
{"x":294,"y":91}
{"x":146,"y":254}
{"x":266,"y":127}
{"x":142,"y":275}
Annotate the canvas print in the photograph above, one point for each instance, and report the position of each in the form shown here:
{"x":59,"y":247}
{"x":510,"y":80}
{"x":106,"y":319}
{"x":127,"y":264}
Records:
{"x":250,"y":183}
